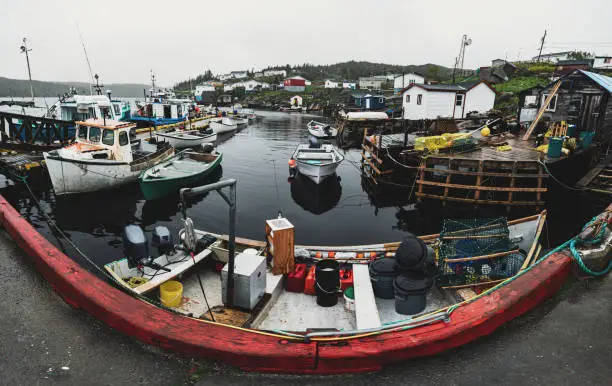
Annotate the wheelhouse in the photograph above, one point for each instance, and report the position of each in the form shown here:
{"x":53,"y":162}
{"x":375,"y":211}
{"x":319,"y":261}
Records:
{"x":113,"y":136}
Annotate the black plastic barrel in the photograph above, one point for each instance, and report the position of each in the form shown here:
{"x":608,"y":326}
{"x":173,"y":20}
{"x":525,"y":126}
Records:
{"x":411,"y":255}
{"x":411,"y":293}
{"x":327,"y":282}
{"x":382,"y":275}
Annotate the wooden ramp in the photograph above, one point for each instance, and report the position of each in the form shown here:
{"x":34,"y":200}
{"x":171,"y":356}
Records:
{"x":598,"y":179}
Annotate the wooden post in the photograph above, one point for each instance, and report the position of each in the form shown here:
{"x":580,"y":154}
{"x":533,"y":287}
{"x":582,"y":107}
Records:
{"x":448,"y":177}
{"x":479,"y":180}
{"x":280,"y":239}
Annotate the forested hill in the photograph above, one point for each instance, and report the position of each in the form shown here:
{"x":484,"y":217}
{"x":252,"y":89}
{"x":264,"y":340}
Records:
{"x":351,"y":70}
{"x":21,"y":88}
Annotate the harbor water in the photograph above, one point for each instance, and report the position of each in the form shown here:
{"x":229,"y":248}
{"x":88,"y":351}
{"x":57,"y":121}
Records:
{"x":343,"y":210}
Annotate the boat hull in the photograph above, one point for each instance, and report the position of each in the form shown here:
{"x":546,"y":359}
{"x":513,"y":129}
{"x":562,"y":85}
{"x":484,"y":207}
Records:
{"x":321,"y":133}
{"x":182,"y":142}
{"x":257,"y":351}
{"x":220,"y":128}
{"x":317,"y":173}
{"x":70,"y":176}
{"x":154,"y":189}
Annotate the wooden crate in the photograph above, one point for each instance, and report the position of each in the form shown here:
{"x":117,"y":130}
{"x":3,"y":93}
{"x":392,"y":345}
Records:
{"x":280,"y":236}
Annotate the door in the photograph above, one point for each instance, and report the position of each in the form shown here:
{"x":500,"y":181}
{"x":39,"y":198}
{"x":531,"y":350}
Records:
{"x":590,"y":112}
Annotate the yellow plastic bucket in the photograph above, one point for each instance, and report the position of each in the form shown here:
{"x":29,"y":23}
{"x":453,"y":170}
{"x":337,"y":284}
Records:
{"x":171,"y":293}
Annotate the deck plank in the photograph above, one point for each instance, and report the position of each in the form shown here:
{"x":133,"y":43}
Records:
{"x":366,"y":311}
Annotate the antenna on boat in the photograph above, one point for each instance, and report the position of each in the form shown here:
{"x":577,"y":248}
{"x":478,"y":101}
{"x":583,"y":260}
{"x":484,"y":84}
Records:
{"x":87,"y":58}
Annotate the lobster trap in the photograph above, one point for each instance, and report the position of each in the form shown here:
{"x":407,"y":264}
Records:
{"x":476,"y":252}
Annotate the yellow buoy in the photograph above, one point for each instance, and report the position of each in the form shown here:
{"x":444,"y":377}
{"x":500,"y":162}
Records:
{"x":485,"y":131}
{"x":171,"y":293}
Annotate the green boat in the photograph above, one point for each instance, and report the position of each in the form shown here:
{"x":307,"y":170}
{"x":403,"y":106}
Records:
{"x":177,"y":172}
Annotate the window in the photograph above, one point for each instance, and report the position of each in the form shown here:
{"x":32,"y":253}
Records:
{"x":381,"y":100}
{"x":123,"y":138}
{"x":419,"y":99}
{"x":94,"y":134}
{"x":552,"y":106}
{"x":408,"y":98}
{"x":608,"y":60}
{"x":117,"y":109}
{"x":108,"y":137}
{"x":82,"y":132}
{"x":459,"y":100}
{"x":530,"y":100}
{"x":411,"y":81}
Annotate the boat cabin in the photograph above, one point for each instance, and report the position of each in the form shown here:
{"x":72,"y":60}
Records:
{"x":104,"y":139}
{"x":82,"y":107}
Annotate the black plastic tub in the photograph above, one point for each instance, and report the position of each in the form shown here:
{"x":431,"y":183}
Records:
{"x":411,"y":255}
{"x":382,"y":274}
{"x":327,"y":282}
{"x":411,"y":293}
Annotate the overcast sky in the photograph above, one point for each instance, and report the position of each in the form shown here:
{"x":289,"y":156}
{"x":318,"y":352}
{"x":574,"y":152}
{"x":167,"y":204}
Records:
{"x":125,"y":39}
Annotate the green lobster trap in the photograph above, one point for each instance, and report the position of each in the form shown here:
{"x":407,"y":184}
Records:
{"x":476,"y":252}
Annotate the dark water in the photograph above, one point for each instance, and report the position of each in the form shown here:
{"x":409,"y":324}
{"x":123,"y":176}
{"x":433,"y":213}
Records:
{"x":340,"y":211}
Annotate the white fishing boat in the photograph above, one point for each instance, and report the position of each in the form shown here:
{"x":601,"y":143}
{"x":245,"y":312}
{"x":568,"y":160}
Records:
{"x":321,"y":130}
{"x":241,"y":123}
{"x":223,"y":125}
{"x":248,"y":114}
{"x":316,"y":163}
{"x":101,"y":158}
{"x":181,"y":139}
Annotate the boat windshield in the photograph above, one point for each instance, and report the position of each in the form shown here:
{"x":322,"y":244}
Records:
{"x":108,"y":137}
{"x":83,"y":132}
{"x":94,"y":134}
{"x":123,"y":138}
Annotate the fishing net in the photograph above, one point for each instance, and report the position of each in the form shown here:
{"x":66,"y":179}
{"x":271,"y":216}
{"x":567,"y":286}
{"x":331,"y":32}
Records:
{"x":476,"y":251}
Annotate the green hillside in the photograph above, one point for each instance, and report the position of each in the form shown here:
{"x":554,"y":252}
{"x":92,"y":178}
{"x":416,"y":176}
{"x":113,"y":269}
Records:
{"x":21,"y":88}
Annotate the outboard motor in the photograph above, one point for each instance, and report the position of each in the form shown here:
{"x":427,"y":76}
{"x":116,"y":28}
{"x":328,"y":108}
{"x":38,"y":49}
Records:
{"x":135,"y":245}
{"x":162,"y":240}
{"x":136,"y":248}
{"x":208,"y":147}
{"x":327,"y":129}
{"x":314,"y":143}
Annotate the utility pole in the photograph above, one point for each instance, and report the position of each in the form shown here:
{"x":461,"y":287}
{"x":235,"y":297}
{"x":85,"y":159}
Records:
{"x":542,"y":45}
{"x":25,"y":50}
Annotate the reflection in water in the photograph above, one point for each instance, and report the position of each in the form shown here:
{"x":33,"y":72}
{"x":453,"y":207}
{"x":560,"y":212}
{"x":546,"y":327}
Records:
{"x":316,"y":198}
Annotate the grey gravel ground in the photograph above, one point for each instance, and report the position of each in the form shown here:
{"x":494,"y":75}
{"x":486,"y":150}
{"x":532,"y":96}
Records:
{"x":565,"y":341}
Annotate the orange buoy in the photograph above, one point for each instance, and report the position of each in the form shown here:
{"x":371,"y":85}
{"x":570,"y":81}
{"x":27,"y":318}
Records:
{"x":291,"y":163}
{"x":331,"y":255}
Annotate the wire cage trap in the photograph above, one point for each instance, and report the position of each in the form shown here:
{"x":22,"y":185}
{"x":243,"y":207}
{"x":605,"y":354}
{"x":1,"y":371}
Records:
{"x":476,"y":252}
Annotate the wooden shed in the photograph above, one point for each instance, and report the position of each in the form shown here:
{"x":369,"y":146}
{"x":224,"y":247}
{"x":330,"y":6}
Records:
{"x":584,"y":99}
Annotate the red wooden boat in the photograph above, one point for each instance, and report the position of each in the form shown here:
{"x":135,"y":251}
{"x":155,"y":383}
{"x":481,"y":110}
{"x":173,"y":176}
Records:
{"x":271,"y":351}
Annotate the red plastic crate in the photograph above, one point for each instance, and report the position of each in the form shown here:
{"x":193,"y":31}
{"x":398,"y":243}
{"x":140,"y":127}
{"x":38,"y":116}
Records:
{"x":296,"y":279}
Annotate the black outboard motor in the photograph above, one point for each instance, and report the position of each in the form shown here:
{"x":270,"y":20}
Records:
{"x":135,"y":245}
{"x":327,"y":129}
{"x":314,"y":143}
{"x":136,"y":248}
{"x":162,"y":240}
{"x":207,"y":148}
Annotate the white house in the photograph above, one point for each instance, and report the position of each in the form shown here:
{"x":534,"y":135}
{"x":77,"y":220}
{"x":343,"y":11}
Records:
{"x":602,"y":63}
{"x":331,"y":84}
{"x":258,"y":74}
{"x":349,"y":85}
{"x":282,"y":73}
{"x":372,"y":82}
{"x":228,"y":87}
{"x":430,"y":101}
{"x":553,"y":57}
{"x":295,"y":102}
{"x":239,"y":74}
{"x":249,"y":85}
{"x":223,"y":77}
{"x":199,"y":89}
{"x":402,"y":81}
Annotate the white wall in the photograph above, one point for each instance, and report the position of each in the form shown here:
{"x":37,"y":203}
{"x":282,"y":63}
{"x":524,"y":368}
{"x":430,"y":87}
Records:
{"x":398,"y":83}
{"x":480,"y":98}
{"x":330,"y":84}
{"x":601,"y":63}
{"x":440,"y":104}
{"x":412,"y":110}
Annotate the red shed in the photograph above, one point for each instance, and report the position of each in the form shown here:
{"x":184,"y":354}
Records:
{"x":295,"y":82}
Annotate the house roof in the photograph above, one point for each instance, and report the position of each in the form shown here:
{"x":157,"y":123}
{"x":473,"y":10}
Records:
{"x":574,"y":62}
{"x":603,"y":57}
{"x":602,"y":80}
{"x":462,"y":86}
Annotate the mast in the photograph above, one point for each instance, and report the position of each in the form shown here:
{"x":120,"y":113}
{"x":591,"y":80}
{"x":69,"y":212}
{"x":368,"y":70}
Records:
{"x":25,"y":50}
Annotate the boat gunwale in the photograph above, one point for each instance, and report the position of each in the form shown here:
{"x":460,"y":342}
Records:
{"x":145,"y":175}
{"x":261,"y":351}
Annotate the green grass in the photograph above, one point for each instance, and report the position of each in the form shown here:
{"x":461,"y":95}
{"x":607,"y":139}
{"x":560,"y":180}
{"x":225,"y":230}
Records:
{"x":521,"y":83}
